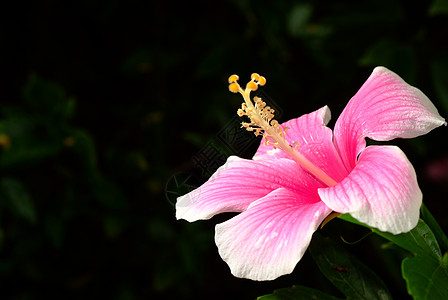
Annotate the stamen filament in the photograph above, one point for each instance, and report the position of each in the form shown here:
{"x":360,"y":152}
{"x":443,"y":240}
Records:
{"x":262,"y":118}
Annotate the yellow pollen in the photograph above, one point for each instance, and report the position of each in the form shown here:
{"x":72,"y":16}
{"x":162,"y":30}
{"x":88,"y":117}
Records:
{"x":234,"y":87}
{"x":251,"y":85}
{"x":255,"y":76}
{"x":233,"y":78}
{"x":260,"y":115}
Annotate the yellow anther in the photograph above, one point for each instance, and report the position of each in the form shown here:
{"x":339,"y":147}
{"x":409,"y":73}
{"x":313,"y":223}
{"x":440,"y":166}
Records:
{"x":233,"y":78}
{"x":252,"y":86}
{"x":260,"y":115}
{"x":255,"y":76}
{"x":234,"y":87}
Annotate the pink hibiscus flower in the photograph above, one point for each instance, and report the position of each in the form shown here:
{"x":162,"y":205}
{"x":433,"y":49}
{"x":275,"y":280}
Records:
{"x":303,"y":171}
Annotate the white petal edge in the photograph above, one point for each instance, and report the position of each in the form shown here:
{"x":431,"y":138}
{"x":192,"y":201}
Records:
{"x":238,"y":183}
{"x":270,"y":238}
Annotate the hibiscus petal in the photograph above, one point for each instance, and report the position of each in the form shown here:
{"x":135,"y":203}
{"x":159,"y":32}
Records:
{"x":384,"y":108}
{"x":381,"y":191}
{"x":270,"y":238}
{"x":314,"y":140}
{"x":237,"y":184}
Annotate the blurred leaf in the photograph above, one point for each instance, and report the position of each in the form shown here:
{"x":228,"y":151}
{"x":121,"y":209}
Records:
{"x":389,"y":53}
{"x":299,"y":18}
{"x":35,"y":131}
{"x":113,"y":226}
{"x":354,"y":279}
{"x":150,"y":60}
{"x":55,"y":229}
{"x":366,"y":13}
{"x":439,"y":72}
{"x":140,"y":61}
{"x":30,"y":140}
{"x":16,"y":198}
{"x":439,"y":7}
{"x":214,"y":62}
{"x":159,"y":229}
{"x":47,"y":98}
{"x":109,"y":194}
{"x":298,"y":293}
{"x":80,"y":142}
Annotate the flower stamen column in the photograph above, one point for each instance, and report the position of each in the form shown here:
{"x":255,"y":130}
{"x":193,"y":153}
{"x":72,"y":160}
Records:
{"x":262,"y":122}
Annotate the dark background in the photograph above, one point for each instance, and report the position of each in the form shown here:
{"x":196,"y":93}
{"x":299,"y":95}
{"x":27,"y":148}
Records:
{"x":109,"y":110}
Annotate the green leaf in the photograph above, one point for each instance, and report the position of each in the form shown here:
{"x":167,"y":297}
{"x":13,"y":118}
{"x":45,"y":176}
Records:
{"x":439,"y":7}
{"x":297,"y":293}
{"x":17,"y":199}
{"x":445,"y":259}
{"x":426,"y":273}
{"x":82,"y":144}
{"x":419,"y":240}
{"x":435,"y":227}
{"x":299,"y":18}
{"x":30,"y":140}
{"x":426,"y":277}
{"x":48,"y":99}
{"x":354,"y":279}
